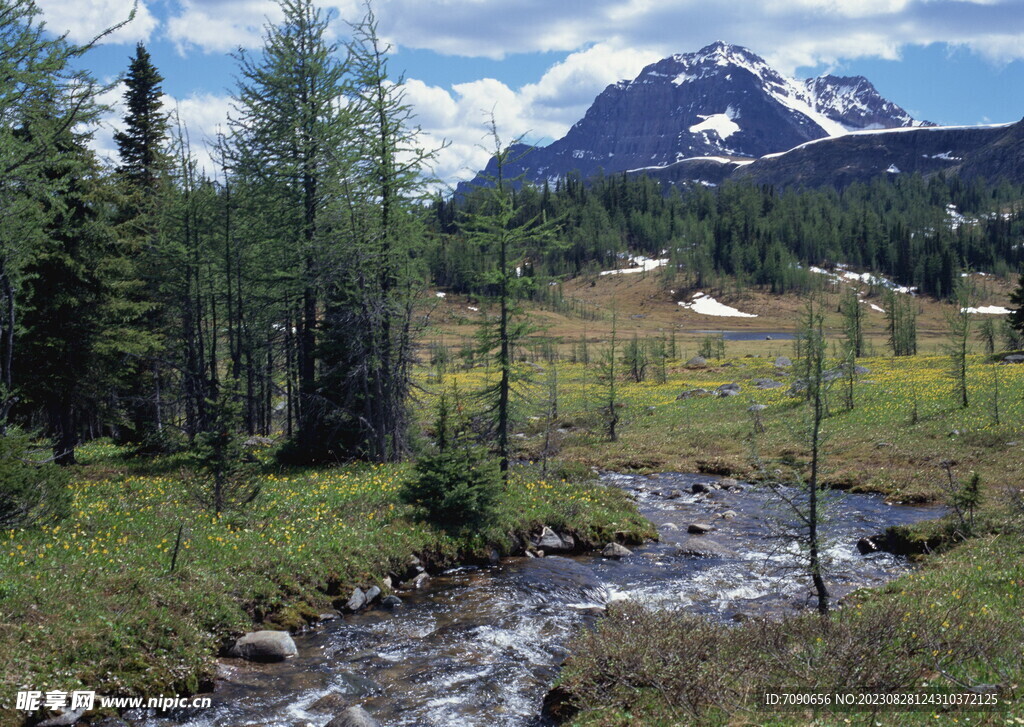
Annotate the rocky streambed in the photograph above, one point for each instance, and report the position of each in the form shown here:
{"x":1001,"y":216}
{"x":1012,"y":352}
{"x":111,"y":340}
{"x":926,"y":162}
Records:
{"x":481,"y":645}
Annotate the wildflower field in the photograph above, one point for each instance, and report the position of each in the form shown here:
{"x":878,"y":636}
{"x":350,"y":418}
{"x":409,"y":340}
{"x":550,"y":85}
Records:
{"x":903,"y":425}
{"x":92,"y":602}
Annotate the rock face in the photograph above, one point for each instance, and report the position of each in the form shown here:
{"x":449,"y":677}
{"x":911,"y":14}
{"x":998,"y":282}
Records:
{"x":265,"y":646}
{"x":354,"y":717}
{"x":721,"y":101}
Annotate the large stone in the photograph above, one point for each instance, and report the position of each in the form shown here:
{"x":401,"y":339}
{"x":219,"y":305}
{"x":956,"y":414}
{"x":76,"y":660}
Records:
{"x":783,"y":362}
{"x":64,"y":719}
{"x":265,"y":646}
{"x":391,"y":602}
{"x":732,"y":389}
{"x":372,"y":594}
{"x":1014,"y":358}
{"x":614,"y":550}
{"x":698,"y":528}
{"x":353,"y":717}
{"x":551,"y":542}
{"x":767,"y":384}
{"x":699,"y":487}
{"x":703,"y":548}
{"x":357,"y":601}
{"x":694,"y":393}
{"x":697,"y":362}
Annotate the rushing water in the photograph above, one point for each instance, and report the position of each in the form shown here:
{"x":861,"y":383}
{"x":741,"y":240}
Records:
{"x":480,"y":646}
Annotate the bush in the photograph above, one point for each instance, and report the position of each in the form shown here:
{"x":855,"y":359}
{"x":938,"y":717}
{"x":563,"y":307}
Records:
{"x":31,"y":493}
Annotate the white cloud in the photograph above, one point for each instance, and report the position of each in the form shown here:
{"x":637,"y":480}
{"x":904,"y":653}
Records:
{"x":539,"y":112}
{"x":83,"y":21}
{"x":218,"y":26}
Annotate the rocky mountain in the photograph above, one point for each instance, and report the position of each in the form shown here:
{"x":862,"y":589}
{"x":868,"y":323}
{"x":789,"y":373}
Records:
{"x":722,"y":101}
{"x":993,"y":152}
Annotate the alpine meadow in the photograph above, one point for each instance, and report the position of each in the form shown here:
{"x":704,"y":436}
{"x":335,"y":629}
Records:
{"x":708,"y":412}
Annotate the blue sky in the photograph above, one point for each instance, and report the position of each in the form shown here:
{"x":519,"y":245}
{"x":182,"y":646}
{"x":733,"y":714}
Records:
{"x":539,"y":63}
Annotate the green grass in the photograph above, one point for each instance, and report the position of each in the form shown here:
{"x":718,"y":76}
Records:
{"x":955,"y":624}
{"x":91,"y":603}
{"x":878,"y":446}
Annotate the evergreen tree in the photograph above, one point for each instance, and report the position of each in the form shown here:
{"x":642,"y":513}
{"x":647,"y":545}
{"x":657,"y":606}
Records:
{"x":498,"y":227}
{"x":1016,"y":317}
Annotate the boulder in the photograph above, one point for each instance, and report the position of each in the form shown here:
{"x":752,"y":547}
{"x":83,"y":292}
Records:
{"x":698,"y":528}
{"x":728,"y":483}
{"x":703,"y":548}
{"x":63,"y":719}
{"x":353,"y":717}
{"x":391,"y":602}
{"x":756,"y":407}
{"x":783,"y":362}
{"x":551,"y":542}
{"x":697,"y":362}
{"x":258,"y":442}
{"x":1014,"y":358}
{"x":265,"y":646}
{"x":357,"y":601}
{"x":699,"y":487}
{"x":614,"y":550}
{"x":767,"y":384}
{"x":728,"y":515}
{"x":867,"y":546}
{"x":372,"y":594}
{"x":419,"y":582}
{"x":732,"y":389}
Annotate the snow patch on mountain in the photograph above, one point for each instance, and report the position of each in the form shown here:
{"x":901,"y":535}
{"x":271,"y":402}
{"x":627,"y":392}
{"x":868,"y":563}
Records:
{"x":706,"y":305}
{"x":722,"y":124}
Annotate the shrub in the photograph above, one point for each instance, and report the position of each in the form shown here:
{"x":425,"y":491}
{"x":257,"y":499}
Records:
{"x":458,"y":485}
{"x":31,"y":492}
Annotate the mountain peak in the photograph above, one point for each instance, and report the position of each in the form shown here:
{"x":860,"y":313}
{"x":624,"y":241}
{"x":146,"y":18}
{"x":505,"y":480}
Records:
{"x":720,"y":102}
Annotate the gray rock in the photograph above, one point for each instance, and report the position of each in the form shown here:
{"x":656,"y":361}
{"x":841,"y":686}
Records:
{"x":703,"y":548}
{"x":783,"y":362}
{"x":63,"y":719}
{"x":756,"y":407}
{"x":698,"y":528}
{"x":328,"y":616}
{"x":357,"y":601}
{"x":254,"y":442}
{"x":728,"y":483}
{"x":732,"y":389}
{"x":767,"y":384}
{"x":1014,"y":358}
{"x":551,"y":542}
{"x":728,"y":514}
{"x":391,"y":602}
{"x":420,"y":581}
{"x":694,"y":393}
{"x":372,"y":594}
{"x":697,"y":361}
{"x":265,"y":646}
{"x":668,"y":526}
{"x":614,"y":550}
{"x":699,"y":487}
{"x":353,"y":717}
{"x":675,"y":494}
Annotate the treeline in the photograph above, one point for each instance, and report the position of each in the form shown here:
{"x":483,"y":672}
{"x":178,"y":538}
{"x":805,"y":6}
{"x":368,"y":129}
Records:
{"x":902,"y":227}
{"x":135,"y":300}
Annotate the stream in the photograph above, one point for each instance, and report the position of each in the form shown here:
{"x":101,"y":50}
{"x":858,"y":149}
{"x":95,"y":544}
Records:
{"x":481,"y":645}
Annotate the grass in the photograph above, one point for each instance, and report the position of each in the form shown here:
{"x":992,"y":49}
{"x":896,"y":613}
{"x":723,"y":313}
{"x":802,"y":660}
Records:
{"x":949,"y":627}
{"x":92,"y":603}
{"x":881,"y":445}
